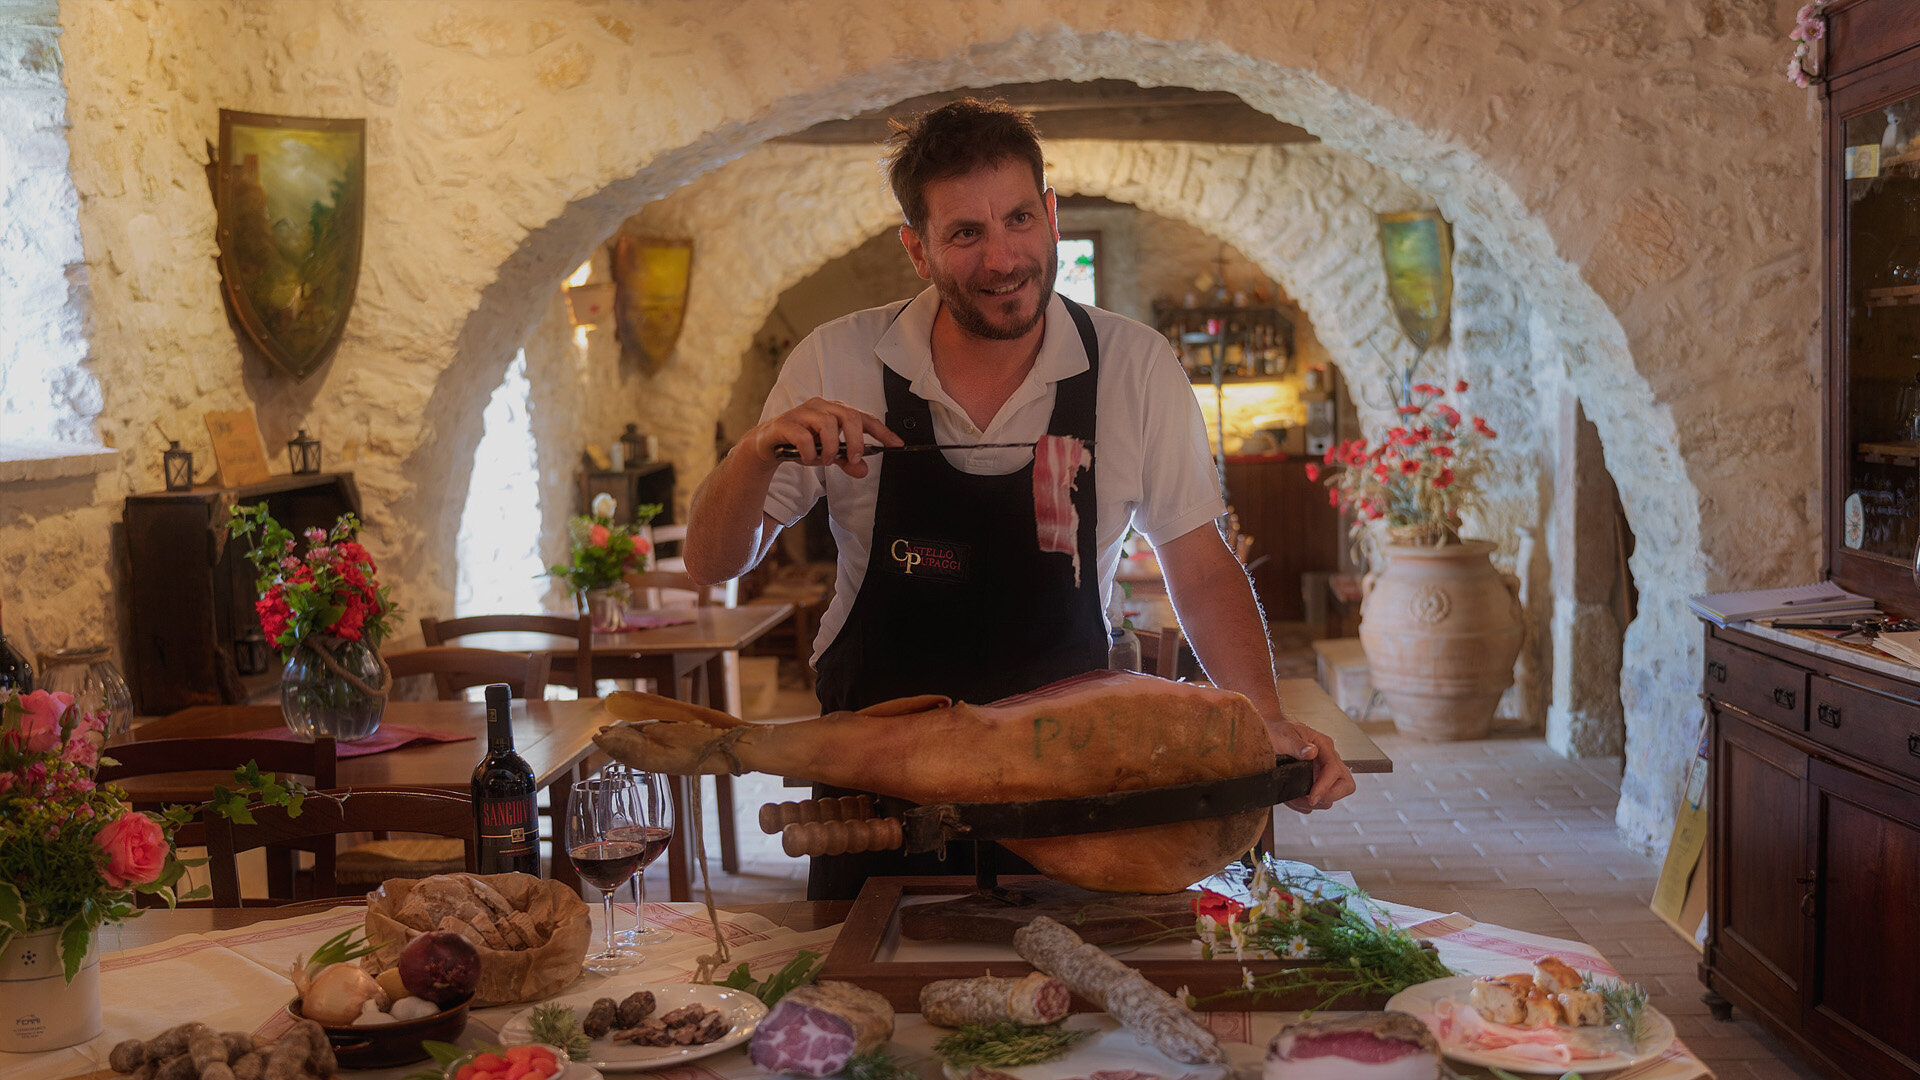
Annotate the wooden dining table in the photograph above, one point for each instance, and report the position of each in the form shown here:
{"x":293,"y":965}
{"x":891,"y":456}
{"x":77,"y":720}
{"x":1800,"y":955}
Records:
{"x":696,"y":639}
{"x":555,"y":738}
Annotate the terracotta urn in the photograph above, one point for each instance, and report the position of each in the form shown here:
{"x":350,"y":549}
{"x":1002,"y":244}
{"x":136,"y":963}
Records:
{"x":1441,"y":629}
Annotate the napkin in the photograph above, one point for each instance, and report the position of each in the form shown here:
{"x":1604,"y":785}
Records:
{"x":389,"y":737}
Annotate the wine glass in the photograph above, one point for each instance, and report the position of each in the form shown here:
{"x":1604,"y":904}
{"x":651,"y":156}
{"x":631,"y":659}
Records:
{"x":652,"y":829}
{"x":599,"y":810}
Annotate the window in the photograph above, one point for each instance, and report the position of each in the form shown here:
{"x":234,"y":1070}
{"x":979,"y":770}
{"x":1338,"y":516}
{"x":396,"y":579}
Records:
{"x":1079,"y":275}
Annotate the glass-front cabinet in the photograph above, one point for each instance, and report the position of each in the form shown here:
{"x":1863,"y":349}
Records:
{"x":1873,"y":245}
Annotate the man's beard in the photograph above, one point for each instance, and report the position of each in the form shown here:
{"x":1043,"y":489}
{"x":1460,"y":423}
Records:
{"x":967,"y":314}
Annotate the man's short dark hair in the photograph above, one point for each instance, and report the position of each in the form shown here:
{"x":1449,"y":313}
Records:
{"x":954,"y":140}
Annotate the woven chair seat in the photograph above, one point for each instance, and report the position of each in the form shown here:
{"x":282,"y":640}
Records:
{"x":377,"y":860}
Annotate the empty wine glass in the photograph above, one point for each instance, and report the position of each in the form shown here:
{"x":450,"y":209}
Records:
{"x":596,"y":815}
{"x":652,"y":830}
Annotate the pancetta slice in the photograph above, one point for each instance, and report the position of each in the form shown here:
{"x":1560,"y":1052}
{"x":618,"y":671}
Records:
{"x":1057,"y":462}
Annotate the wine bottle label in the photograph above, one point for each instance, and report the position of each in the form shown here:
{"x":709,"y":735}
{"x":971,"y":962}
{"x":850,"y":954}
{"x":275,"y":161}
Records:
{"x":507,"y":826}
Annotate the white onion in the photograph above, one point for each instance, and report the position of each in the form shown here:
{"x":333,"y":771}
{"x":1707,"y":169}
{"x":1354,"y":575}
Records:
{"x":338,"y":993}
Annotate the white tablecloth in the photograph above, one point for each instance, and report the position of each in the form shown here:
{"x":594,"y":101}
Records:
{"x":233,"y":980}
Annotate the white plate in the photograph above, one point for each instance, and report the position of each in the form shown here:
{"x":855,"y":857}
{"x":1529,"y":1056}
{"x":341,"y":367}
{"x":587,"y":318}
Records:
{"x":1420,"y":1001}
{"x":1111,"y":1047}
{"x":742,"y":1010}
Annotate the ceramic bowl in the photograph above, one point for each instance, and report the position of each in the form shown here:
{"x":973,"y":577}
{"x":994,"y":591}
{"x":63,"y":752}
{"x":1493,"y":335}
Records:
{"x":379,"y":1046}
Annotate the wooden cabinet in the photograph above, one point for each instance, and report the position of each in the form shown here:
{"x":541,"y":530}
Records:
{"x":650,"y":482}
{"x":1293,"y":528}
{"x":190,"y":591}
{"x":1815,"y":841}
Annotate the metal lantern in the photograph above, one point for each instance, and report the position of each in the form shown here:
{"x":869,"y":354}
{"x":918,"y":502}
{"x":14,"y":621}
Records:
{"x":636,"y":445}
{"x":303,"y":453}
{"x":178,"y":466}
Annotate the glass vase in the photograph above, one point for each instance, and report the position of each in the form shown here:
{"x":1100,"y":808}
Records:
{"x":334,"y":687}
{"x":89,"y":675}
{"x":608,"y":607}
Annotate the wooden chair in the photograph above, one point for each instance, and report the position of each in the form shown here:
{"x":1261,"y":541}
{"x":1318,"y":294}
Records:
{"x":328,"y":814}
{"x":650,"y":584}
{"x":575,"y":671}
{"x":454,"y":669}
{"x":314,"y":760}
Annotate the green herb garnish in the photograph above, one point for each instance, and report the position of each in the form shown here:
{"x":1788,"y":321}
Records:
{"x":876,"y":1064}
{"x":1004,"y":1044}
{"x":555,"y":1025}
{"x":799,"y":971}
{"x":1626,"y":1005}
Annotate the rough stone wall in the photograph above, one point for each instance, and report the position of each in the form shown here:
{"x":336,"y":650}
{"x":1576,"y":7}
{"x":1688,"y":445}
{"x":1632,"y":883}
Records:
{"x":1640,"y":166}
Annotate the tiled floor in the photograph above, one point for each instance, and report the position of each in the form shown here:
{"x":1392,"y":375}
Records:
{"x":1503,"y":811}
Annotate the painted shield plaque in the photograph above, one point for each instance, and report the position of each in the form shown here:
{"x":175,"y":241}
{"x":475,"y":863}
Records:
{"x":291,"y":195}
{"x":1417,"y":248}
{"x":650,"y":282}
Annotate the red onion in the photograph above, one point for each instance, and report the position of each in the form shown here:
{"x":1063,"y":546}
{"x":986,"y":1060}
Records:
{"x":440,"y":966}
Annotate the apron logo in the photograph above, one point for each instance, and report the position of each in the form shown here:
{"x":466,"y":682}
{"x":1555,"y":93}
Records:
{"x":935,"y":559}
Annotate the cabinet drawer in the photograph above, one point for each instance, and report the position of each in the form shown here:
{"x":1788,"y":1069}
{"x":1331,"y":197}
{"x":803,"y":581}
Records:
{"x":1873,"y":727}
{"x":1756,"y":684}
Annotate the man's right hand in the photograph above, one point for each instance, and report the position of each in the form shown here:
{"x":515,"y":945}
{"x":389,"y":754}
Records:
{"x":817,"y":427}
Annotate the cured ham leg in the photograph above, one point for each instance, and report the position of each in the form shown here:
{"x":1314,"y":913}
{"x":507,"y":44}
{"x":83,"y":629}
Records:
{"x":1095,"y":733}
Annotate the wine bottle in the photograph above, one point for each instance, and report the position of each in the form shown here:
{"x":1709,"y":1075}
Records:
{"x":15,"y":673}
{"x":506,"y":820}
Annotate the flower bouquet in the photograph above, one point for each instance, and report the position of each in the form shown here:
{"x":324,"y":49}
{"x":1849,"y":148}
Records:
{"x":603,"y":553}
{"x":73,"y":852}
{"x":326,"y":615}
{"x":1416,"y":480}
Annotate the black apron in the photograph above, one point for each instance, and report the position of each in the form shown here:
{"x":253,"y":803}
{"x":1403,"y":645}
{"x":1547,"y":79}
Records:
{"x":958,"y":598}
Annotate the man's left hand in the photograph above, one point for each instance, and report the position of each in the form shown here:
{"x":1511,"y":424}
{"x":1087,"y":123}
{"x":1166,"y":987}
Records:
{"x":1332,"y":780}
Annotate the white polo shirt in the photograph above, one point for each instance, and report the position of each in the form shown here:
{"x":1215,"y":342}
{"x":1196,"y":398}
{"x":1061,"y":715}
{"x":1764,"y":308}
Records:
{"x":1153,"y":467}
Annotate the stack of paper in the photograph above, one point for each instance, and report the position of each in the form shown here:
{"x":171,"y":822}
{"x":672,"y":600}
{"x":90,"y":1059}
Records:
{"x":1822,"y":599}
{"x":1903,"y":647}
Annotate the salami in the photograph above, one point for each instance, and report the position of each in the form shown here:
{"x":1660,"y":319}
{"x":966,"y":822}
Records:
{"x":1035,"y":999}
{"x":814,"y":1030}
{"x":1150,"y":1012}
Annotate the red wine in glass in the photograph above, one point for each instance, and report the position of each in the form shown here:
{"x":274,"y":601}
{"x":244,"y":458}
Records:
{"x":651,"y":838}
{"x":607,"y":864}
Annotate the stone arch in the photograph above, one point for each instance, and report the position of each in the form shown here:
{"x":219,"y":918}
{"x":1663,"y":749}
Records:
{"x":1578,"y":334}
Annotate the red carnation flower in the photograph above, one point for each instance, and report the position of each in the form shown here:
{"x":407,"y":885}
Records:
{"x":1221,"y":908}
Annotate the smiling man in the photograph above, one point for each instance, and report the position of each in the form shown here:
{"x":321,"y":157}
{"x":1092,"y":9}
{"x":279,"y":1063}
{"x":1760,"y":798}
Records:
{"x":942,"y":587}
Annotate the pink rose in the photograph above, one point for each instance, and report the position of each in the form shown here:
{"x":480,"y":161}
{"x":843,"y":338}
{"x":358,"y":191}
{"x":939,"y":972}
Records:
{"x":40,"y":720}
{"x":598,"y":535}
{"x":135,"y":849}
{"x":83,"y":749}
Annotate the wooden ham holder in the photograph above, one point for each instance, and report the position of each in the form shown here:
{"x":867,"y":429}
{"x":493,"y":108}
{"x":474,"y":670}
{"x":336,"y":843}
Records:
{"x":1218,"y":984}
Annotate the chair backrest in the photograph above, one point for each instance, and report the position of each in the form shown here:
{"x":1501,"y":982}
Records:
{"x":651,"y":585}
{"x":159,"y":757}
{"x":454,"y":669}
{"x":575,"y":670}
{"x":330,"y":813}
{"x":662,"y":535}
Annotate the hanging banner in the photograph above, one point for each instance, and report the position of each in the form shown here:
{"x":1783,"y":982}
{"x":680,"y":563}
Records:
{"x":291,"y":197}
{"x":650,"y":280}
{"x":1417,"y":249}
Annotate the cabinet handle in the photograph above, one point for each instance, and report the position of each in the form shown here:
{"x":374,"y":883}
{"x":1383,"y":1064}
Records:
{"x":1830,"y":715}
{"x":1806,"y":898}
{"x":1913,"y":745}
{"x":1716,"y":671}
{"x":1784,"y":698}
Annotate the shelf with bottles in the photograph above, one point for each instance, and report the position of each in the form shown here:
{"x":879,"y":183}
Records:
{"x":1888,"y":453}
{"x":1250,"y":343}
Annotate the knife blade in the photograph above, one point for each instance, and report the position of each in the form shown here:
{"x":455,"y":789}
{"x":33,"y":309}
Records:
{"x":790,"y":452}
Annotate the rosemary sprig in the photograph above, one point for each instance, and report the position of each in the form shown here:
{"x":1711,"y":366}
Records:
{"x":1004,"y":1044}
{"x":556,"y":1025}
{"x":877,"y":1064}
{"x":1626,"y":1005}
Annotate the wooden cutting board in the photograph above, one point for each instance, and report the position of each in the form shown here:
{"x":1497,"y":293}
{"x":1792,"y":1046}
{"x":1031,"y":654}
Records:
{"x":1099,"y":918}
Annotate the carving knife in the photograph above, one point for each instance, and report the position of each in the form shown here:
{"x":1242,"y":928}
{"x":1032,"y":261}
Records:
{"x":789,"y":452}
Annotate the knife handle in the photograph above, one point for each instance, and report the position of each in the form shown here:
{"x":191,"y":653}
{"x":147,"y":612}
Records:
{"x":790,"y":452}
